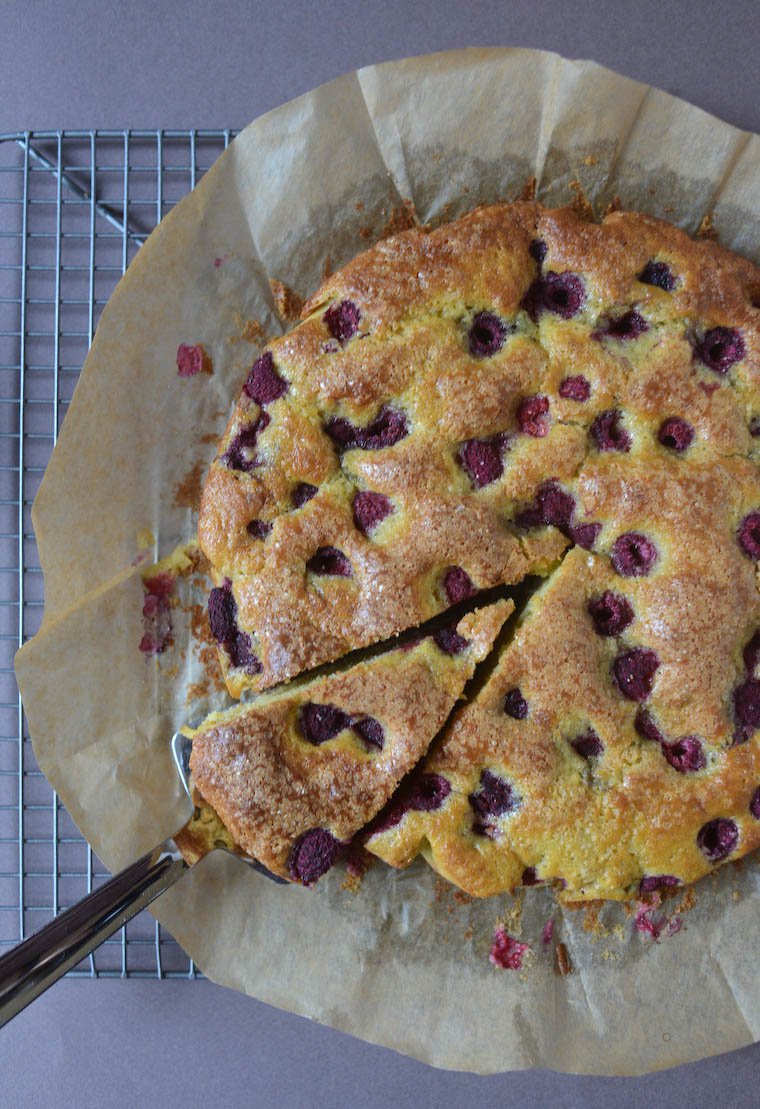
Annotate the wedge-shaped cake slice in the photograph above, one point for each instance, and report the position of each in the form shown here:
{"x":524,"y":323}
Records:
{"x":297,"y":773}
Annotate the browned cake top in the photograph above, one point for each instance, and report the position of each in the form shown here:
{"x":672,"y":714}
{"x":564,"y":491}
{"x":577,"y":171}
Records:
{"x":295,"y":774}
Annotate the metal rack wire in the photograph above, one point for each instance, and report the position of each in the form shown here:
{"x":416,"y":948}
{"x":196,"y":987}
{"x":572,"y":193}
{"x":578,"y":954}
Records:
{"x":75,"y":207}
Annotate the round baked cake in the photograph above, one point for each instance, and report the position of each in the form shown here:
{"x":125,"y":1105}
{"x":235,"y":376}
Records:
{"x":522,"y":392}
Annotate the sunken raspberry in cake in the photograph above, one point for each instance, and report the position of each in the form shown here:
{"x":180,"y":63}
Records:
{"x":523,"y":392}
{"x":296,"y":774}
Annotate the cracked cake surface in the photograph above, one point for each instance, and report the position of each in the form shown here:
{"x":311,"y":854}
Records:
{"x":522,"y":392}
{"x":296,"y":774}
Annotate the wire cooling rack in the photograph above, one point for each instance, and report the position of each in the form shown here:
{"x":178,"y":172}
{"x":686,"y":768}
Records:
{"x":75,"y":207}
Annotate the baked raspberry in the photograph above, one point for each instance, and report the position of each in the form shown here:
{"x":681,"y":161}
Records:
{"x":515,"y":704}
{"x":646,"y":727}
{"x":241,"y":453}
{"x":746,"y":709}
{"x":312,"y":855}
{"x":156,"y":612}
{"x":685,"y":755}
{"x":494,"y":796}
{"x":342,"y":320}
{"x":754,"y":427}
{"x":192,"y":361}
{"x":651,"y":883}
{"x":634,"y":673}
{"x":388,"y":427}
{"x":584,"y":535}
{"x":241,"y":654}
{"x":749,"y":535}
{"x":659,"y":274}
{"x":457,"y":585}
{"x":486,"y":335}
{"x":319,"y":723}
{"x":259,"y":529}
{"x":611,"y":613}
{"x":720,"y":349}
{"x":222,"y":613}
{"x":554,"y":504}
{"x":588,"y":745}
{"x":754,"y":804}
{"x":575,"y":388}
{"x":608,"y":432}
{"x":302,"y":493}
{"x":562,"y":294}
{"x":370,"y":509}
{"x":329,"y":562}
{"x":628,"y":326}
{"x":676,"y":434}
{"x":450,"y":641}
{"x":633,"y":555}
{"x":507,"y":952}
{"x":718,"y":838}
{"x":264,"y":384}
{"x":537,"y":251}
{"x":751,"y":654}
{"x":428,"y":793}
{"x":529,"y":877}
{"x":532,"y":416}
{"x":371,"y":731}
{"x":483,"y":459}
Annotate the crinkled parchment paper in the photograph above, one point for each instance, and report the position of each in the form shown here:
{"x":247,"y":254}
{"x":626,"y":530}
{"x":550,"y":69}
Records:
{"x":403,"y":961}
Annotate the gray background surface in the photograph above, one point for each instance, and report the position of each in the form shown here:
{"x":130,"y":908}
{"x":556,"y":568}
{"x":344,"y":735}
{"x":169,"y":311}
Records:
{"x":193,"y":64}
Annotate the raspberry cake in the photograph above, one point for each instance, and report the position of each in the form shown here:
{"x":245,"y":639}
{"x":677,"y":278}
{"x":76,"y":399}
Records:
{"x":296,"y":774}
{"x":523,"y":392}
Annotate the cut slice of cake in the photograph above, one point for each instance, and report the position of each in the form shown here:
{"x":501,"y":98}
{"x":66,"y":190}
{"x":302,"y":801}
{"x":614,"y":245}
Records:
{"x":295,"y":774}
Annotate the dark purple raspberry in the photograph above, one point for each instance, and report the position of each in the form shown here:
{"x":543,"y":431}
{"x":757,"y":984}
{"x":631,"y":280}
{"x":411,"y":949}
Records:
{"x":584,"y":535}
{"x":329,"y":562}
{"x":555,"y":504}
{"x":494,"y":796}
{"x":259,"y":529}
{"x":608,"y":432}
{"x":754,"y":804}
{"x":387,"y":428}
{"x":718,"y":838}
{"x":450,"y":641}
{"x":720,"y":349}
{"x":371,"y":731}
{"x":241,"y":654}
{"x":746,"y":709}
{"x":659,"y":274}
{"x":588,"y":745}
{"x":651,"y":883}
{"x":487,"y":334}
{"x":633,"y":555}
{"x":457,"y":585}
{"x":241,"y":453}
{"x":302,"y":493}
{"x":370,"y":509}
{"x":318,"y":723}
{"x":634,"y":673}
{"x":342,"y":320}
{"x":676,"y":434}
{"x":312,"y":855}
{"x":428,"y":793}
{"x":515,"y":704}
{"x":562,"y":294}
{"x":192,"y":360}
{"x":611,"y":613}
{"x":483,"y":459}
{"x":537,"y":251}
{"x":575,"y":388}
{"x":530,"y":877}
{"x":685,"y":754}
{"x":749,"y":535}
{"x":264,"y":384}
{"x":646,"y":727}
{"x":222,"y":613}
{"x":532,"y":416}
{"x":751,"y":654}
{"x":754,"y":427}
{"x":628,"y":326}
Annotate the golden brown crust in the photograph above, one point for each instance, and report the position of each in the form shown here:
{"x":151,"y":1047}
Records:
{"x":270,"y":785}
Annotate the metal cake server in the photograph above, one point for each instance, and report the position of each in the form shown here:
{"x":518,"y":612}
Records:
{"x":28,"y":969}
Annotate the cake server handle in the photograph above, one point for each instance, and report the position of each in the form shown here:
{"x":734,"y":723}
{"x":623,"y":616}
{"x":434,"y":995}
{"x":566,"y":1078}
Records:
{"x":28,"y":969}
